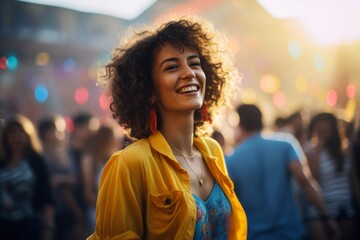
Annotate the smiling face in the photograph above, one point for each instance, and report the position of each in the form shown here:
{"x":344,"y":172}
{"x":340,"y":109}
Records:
{"x":179,"y":80}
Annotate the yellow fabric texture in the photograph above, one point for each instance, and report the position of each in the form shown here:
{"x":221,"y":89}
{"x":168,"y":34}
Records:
{"x":144,"y":193}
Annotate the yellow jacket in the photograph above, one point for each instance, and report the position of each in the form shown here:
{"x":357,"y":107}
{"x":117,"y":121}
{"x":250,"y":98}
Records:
{"x":136,"y":183}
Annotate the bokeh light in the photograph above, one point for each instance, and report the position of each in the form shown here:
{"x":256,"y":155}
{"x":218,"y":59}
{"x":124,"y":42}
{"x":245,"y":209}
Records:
{"x":12,"y":62}
{"x":41,"y":93}
{"x":81,"y":95}
{"x":3,"y":64}
{"x":69,"y":124}
{"x":42,"y":59}
{"x":233,"y":119}
{"x":69,"y":65}
{"x":269,"y":83}
{"x":318,"y":62}
{"x":350,"y":90}
{"x":350,"y":110}
{"x":104,"y":101}
{"x":249,"y":96}
{"x":94,"y":124}
{"x":294,"y":49}
{"x":331,"y":98}
{"x":279,"y":99}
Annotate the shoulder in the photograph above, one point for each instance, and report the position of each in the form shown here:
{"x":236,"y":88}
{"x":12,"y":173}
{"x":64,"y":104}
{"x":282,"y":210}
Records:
{"x":211,"y":146}
{"x":134,"y":154}
{"x":286,"y":140}
{"x":278,"y":137}
{"x":210,"y":142}
{"x":127,"y":163}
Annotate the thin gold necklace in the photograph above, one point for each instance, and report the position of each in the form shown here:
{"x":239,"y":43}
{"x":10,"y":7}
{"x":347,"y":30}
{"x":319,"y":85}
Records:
{"x":177,"y":152}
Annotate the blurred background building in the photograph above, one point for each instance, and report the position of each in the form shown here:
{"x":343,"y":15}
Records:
{"x":291,"y":54}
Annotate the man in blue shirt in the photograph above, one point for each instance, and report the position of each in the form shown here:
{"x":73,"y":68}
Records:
{"x":262,"y":167}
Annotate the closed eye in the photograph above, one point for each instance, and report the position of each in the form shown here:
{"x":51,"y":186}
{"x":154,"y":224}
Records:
{"x":171,"y":67}
{"x":195,"y":64}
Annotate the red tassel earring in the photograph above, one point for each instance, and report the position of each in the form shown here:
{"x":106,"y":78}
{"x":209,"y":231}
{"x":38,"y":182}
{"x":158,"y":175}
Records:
{"x":204,"y":113}
{"x":153,"y":120}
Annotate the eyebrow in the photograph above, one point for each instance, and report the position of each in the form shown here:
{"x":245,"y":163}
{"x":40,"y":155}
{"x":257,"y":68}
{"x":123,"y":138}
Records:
{"x":176,"y":59}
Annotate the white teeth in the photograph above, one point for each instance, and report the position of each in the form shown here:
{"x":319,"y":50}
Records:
{"x":188,"y":89}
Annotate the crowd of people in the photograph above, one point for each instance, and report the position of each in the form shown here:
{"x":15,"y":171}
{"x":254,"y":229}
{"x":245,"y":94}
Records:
{"x":296,"y":180}
{"x":49,"y":176}
{"x":288,"y":188}
{"x":293,"y":180}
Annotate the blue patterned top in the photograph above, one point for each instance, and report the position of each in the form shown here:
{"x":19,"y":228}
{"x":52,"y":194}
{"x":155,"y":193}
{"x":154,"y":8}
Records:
{"x":212,"y":216}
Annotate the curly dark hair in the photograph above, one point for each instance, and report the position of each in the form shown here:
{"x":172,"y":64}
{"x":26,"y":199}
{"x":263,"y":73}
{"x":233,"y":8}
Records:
{"x":128,"y":74}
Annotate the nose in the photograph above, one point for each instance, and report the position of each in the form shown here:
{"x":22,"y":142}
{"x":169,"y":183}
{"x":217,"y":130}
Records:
{"x":188,"y":73}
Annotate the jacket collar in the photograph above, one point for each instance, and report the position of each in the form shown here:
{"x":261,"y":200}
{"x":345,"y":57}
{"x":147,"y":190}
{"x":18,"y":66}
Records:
{"x":159,"y":143}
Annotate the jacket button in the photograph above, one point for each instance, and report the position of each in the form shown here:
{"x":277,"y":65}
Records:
{"x":167,"y":201}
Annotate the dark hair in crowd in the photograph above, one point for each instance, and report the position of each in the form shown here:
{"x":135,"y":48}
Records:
{"x":334,"y":143}
{"x":250,"y":117}
{"x":12,"y":123}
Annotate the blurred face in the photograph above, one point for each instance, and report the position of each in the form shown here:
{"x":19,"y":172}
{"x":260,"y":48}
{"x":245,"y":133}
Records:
{"x":54,"y":136}
{"x":323,"y":131}
{"x":17,"y":138}
{"x":179,"y":80}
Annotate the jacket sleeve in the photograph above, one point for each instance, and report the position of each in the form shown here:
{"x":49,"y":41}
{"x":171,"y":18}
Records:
{"x":119,"y":205}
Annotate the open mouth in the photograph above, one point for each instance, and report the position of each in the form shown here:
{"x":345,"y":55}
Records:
{"x":188,"y":89}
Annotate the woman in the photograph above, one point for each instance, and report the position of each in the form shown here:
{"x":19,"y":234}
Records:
{"x":53,"y":137}
{"x":172,"y":183}
{"x":26,"y":202}
{"x":332,"y":169}
{"x":101,"y":146}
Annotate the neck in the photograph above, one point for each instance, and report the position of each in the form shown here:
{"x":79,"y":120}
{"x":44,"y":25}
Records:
{"x":179,"y":132}
{"x":246,"y":134}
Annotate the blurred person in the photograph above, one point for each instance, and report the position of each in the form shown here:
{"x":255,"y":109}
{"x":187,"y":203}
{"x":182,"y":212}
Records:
{"x":262,"y":167}
{"x":62,"y":175}
{"x":219,"y":137}
{"x":101,"y":146}
{"x":332,"y":168}
{"x":79,"y":139}
{"x":171,"y":183}
{"x":26,"y":201}
{"x":281,"y":124}
{"x":296,"y":122}
{"x":355,"y":156}
{"x":355,"y":149}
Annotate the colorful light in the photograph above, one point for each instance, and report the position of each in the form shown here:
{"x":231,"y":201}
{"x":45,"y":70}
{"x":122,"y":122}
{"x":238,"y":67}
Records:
{"x":249,"y":96}
{"x":318,"y":62}
{"x":94,"y":124}
{"x":81,"y":95}
{"x":294,"y":49}
{"x":279,"y":99}
{"x":350,"y":90}
{"x":269,"y":83}
{"x":331,"y":98}
{"x":350,"y":109}
{"x":69,"y":65}
{"x":69,"y":124}
{"x":41,"y":93}
{"x":42,"y":59}
{"x":3,"y":64}
{"x":12,"y":62}
{"x":104,"y":101}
